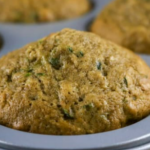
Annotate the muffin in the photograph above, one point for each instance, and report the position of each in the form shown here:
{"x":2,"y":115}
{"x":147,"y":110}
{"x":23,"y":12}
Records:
{"x":33,"y":11}
{"x":126,"y":22}
{"x":72,"y":83}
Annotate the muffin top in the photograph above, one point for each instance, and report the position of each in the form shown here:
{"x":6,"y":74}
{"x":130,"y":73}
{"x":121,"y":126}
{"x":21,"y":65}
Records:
{"x":126,"y":22}
{"x":71,"y":83}
{"x":33,"y":11}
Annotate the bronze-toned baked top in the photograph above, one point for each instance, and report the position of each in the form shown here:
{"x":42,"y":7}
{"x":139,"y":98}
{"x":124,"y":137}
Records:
{"x":70,"y":83}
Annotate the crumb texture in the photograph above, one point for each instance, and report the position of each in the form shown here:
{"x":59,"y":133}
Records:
{"x":72,"y":83}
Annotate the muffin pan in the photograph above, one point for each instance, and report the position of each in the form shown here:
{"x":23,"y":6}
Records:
{"x":1,"y":42}
{"x":134,"y":137}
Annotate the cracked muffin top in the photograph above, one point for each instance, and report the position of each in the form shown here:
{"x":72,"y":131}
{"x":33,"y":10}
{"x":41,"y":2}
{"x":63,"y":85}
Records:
{"x":72,"y":83}
{"x":34,"y":11}
{"x":126,"y":22}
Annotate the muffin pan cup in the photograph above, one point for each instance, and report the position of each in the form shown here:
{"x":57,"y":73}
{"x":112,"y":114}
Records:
{"x":133,"y":137}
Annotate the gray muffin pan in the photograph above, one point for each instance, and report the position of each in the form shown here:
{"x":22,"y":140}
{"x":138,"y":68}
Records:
{"x":133,"y":137}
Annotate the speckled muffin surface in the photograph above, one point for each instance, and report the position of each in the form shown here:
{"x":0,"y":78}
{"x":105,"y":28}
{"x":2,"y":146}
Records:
{"x":33,"y":11}
{"x":126,"y":22}
{"x":71,"y":83}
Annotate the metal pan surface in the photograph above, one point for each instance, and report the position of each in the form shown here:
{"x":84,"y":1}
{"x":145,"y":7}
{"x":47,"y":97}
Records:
{"x":136,"y":135}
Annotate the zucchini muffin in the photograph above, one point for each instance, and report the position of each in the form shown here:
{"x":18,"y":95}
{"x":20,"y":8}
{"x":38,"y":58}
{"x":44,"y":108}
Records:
{"x":32,"y":11}
{"x":126,"y":22}
{"x":72,"y":83}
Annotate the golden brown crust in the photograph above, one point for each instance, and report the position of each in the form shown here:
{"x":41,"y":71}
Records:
{"x":72,"y":82}
{"x":125,"y":22}
{"x":32,"y":11}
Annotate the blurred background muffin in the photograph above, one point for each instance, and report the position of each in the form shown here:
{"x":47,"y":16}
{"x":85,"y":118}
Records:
{"x":126,"y":22}
{"x":32,"y":11}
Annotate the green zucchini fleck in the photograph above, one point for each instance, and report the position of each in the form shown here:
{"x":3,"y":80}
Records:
{"x":70,"y":49}
{"x":126,"y":81}
{"x":55,"y":62}
{"x":30,"y":70}
{"x":80,"y":54}
{"x":89,"y":106}
{"x":28,"y":74}
{"x":40,"y":74}
{"x":68,"y":114}
{"x":99,"y":65}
